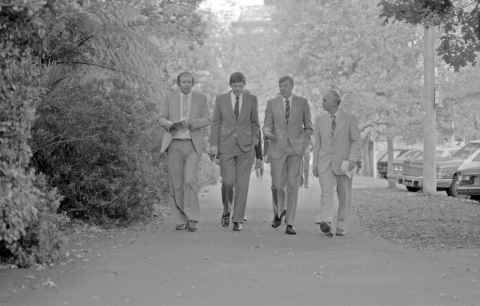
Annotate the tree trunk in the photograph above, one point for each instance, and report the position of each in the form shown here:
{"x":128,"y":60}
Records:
{"x":368,"y":163}
{"x":429,"y":128}
{"x":391,"y":181}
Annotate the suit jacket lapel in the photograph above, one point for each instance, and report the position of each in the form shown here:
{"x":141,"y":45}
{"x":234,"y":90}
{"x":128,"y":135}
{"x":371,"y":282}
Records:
{"x":228,"y":104}
{"x":193,"y":108}
{"x":340,"y":120}
{"x":281,"y":108}
{"x":244,"y":107}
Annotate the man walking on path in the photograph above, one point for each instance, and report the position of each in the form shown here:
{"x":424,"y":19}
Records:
{"x":336,"y":155}
{"x":184,"y":114}
{"x":288,"y":127}
{"x":235,"y":130}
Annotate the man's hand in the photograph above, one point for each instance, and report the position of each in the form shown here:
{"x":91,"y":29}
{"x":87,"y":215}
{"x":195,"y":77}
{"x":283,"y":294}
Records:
{"x":213,"y":150}
{"x":315,"y":170}
{"x":177,"y":126}
{"x":352,"y":164}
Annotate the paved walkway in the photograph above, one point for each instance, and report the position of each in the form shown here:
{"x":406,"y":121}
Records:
{"x":258,"y":266}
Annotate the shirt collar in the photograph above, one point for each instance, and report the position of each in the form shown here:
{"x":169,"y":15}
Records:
{"x":289,"y":98}
{"x":186,"y":95}
{"x":232,"y":95}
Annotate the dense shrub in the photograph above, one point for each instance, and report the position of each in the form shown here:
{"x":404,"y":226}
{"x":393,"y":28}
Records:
{"x":29,"y":225}
{"x":98,"y":144}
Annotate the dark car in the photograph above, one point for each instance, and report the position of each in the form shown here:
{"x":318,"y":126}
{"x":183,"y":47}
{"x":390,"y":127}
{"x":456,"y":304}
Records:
{"x":467,"y":182}
{"x":398,"y":164}
{"x":412,"y":176}
{"x":382,"y":163}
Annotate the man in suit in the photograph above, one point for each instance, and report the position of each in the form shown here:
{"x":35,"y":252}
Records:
{"x":234,"y":134}
{"x":288,"y":127}
{"x":336,"y":153}
{"x":184,"y":114}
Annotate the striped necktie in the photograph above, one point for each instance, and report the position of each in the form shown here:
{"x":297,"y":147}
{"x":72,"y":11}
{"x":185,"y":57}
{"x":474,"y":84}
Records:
{"x":287,"y":110}
{"x":334,"y":124}
{"x":236,"y":110}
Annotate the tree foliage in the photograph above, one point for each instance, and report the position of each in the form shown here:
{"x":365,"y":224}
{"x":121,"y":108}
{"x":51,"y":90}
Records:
{"x":460,"y":22}
{"x":29,"y":226}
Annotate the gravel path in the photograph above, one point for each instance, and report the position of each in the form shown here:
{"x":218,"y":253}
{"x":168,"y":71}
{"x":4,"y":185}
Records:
{"x":155,"y":265}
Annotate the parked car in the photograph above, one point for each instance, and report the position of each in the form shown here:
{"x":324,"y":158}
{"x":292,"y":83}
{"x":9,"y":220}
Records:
{"x":397,"y":167}
{"x":467,"y":182}
{"x":382,"y":163}
{"x":446,"y":168}
{"x":466,"y":179}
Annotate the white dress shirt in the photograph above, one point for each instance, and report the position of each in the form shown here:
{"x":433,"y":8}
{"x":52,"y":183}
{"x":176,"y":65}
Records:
{"x":185,"y":102}
{"x":240,"y":102}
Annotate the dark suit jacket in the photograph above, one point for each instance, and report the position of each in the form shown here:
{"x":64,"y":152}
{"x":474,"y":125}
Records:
{"x":229,"y":134}
{"x":296,"y":133}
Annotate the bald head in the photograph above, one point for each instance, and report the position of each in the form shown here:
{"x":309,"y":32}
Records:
{"x":331,"y":101}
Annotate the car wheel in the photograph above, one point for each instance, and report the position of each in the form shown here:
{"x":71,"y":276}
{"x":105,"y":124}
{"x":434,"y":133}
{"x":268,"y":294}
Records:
{"x":452,"y":191}
{"x":413,"y":189}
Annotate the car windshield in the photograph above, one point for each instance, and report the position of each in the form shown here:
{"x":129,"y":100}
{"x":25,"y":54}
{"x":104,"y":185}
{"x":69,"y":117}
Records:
{"x":411,"y":154}
{"x":466,"y":151}
{"x":477,"y":158}
{"x":396,"y":154}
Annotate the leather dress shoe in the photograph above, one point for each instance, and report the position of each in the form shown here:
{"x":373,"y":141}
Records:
{"x":326,"y":229}
{"x":237,"y":227}
{"x":290,"y":230}
{"x":277,"y":221}
{"x":192,"y":226}
{"x":225,"y":220}
{"x":181,"y":227}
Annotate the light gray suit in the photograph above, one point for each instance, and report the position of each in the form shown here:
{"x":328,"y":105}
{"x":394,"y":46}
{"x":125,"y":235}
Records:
{"x":329,"y":153}
{"x":288,"y":141}
{"x":235,"y":140}
{"x":184,"y":154}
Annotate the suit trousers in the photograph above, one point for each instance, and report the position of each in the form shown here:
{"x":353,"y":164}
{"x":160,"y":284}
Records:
{"x":235,"y":170}
{"x":335,"y":200}
{"x":287,"y":178}
{"x":183,"y":163}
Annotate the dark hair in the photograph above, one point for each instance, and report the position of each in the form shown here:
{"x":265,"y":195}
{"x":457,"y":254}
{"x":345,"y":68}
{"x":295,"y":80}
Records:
{"x":237,"y":77}
{"x":286,"y":78}
{"x":185,"y":73}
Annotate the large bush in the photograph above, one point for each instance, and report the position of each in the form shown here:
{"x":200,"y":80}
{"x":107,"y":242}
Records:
{"x":29,"y":225}
{"x":98,"y":143}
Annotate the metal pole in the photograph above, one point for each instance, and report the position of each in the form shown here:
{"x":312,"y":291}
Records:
{"x":429,"y":123}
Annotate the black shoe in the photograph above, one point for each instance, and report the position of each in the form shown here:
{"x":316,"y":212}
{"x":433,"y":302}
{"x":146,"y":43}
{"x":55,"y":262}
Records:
{"x":277,"y":221}
{"x":325,"y":227}
{"x":225,"y":220}
{"x":237,"y":227}
{"x":192,"y":226}
{"x":181,"y":227}
{"x":290,"y":230}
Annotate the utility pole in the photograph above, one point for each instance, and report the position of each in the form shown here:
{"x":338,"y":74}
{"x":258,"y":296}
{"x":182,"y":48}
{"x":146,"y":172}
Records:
{"x":429,"y":122}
